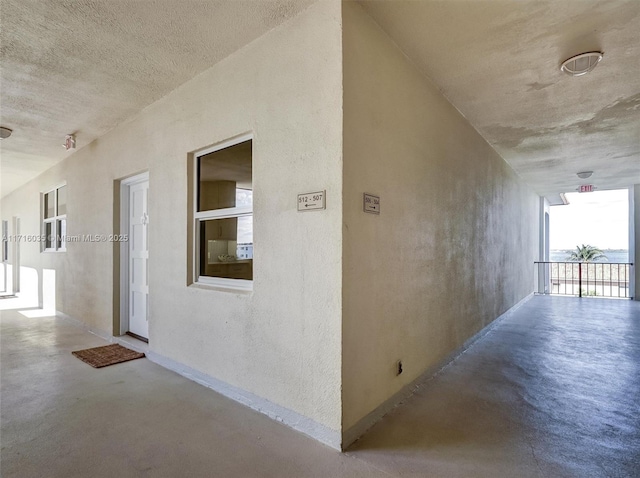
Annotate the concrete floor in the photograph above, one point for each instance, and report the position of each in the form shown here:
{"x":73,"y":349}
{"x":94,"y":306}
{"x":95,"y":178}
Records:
{"x":552,"y":391}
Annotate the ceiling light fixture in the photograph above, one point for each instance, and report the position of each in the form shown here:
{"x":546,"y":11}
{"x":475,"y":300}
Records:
{"x":584,"y":174}
{"x":581,"y":64}
{"x":5,"y":132}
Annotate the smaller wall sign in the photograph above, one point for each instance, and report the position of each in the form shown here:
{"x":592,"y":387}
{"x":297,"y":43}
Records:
{"x":312,"y":201}
{"x":586,"y":188}
{"x":371,"y":203}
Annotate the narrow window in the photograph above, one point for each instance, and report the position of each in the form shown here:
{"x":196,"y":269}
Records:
{"x":224,"y":216}
{"x":54,"y":219}
{"x":5,"y":242}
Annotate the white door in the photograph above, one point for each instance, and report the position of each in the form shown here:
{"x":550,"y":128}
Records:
{"x":138,"y":259}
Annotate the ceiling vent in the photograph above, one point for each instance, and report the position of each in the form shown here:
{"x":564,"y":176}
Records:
{"x":581,"y":64}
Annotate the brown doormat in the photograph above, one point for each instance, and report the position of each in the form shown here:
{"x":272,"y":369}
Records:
{"x":99,"y":357}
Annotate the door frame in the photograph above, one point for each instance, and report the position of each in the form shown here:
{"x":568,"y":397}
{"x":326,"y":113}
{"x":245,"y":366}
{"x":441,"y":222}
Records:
{"x":15,"y":266}
{"x":125,"y":184}
{"x":5,"y":255}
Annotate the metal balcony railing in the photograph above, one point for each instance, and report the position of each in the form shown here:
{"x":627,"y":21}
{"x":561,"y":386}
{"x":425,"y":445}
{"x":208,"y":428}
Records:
{"x":584,"y":279}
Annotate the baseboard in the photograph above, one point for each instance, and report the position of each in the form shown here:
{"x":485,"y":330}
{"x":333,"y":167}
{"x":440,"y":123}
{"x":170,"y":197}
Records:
{"x":93,"y":330}
{"x":276,"y":412}
{"x":356,"y":431}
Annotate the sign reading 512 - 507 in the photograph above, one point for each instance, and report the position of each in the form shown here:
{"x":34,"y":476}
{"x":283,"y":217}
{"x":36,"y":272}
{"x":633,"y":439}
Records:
{"x":312,"y":201}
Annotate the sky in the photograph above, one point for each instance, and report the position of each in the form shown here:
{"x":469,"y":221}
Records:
{"x":599,"y":219}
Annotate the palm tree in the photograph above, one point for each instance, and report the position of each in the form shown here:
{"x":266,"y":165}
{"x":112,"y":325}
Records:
{"x":586,"y":254}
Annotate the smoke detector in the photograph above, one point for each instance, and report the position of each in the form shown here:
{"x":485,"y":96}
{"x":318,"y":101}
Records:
{"x":5,"y":132}
{"x":581,"y":64}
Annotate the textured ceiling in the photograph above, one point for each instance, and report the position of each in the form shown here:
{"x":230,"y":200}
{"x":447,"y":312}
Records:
{"x":85,"y":66}
{"x":498,"y":62}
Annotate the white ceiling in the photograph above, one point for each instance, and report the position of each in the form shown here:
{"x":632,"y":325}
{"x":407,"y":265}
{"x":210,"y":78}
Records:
{"x":85,"y":66}
{"x":498,"y":62}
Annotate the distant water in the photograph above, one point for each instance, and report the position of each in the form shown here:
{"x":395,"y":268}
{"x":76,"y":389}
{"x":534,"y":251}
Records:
{"x":612,"y":256}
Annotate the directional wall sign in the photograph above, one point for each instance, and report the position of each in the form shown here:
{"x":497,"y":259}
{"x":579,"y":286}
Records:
{"x":312,"y":201}
{"x":371,"y":203}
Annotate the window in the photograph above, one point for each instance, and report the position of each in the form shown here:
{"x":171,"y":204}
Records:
{"x":5,"y":241}
{"x":54,"y":219}
{"x":223,"y":215}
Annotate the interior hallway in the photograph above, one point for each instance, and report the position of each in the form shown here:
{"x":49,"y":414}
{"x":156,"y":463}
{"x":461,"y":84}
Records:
{"x":552,"y":391}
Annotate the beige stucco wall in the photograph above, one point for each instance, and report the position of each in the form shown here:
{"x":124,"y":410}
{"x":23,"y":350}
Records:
{"x":454,"y":245}
{"x":283,"y":341}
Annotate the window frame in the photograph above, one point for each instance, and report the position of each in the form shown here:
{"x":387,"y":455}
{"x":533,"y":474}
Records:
{"x":198,"y":217}
{"x":54,"y":221}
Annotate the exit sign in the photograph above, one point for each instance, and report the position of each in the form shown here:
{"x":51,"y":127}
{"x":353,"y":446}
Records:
{"x":586,"y":188}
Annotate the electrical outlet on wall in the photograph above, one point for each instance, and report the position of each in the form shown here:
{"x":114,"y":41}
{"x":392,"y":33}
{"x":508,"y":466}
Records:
{"x":398,"y":367}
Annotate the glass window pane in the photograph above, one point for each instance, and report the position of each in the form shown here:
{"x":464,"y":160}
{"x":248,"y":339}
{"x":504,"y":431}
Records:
{"x":61,"y":233}
{"x":226,"y":248}
{"x":48,"y":232}
{"x":244,"y":197}
{"x":5,"y":241}
{"x":62,"y":201}
{"x":224,"y":178}
{"x":49,"y":205}
{"x":245,"y":230}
